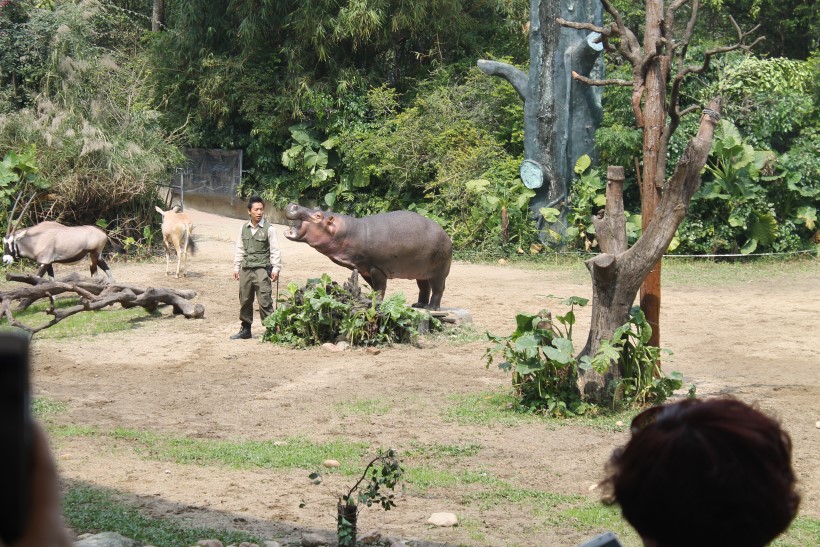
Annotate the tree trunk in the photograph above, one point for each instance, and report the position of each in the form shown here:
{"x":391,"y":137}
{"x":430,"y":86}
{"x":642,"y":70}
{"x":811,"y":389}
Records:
{"x":560,"y":114}
{"x":654,"y":160}
{"x":617,"y":273}
{"x":158,"y":16}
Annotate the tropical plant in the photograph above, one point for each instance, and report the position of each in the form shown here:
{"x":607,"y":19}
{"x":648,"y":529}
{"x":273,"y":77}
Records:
{"x":309,"y":157}
{"x":382,"y":473}
{"x":19,"y":177}
{"x":497,"y":200}
{"x":736,"y":190}
{"x":541,"y":357}
{"x":587,"y":197}
{"x":324,"y":311}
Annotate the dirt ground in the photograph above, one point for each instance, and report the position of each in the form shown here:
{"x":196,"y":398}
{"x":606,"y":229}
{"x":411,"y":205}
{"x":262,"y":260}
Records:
{"x":755,"y":340}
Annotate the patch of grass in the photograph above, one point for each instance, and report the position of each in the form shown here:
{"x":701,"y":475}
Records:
{"x":456,"y":335}
{"x":593,"y":517}
{"x":425,"y":478}
{"x":487,"y":409}
{"x":367,"y":407}
{"x":558,"y":511}
{"x":111,"y":319}
{"x":94,"y":510}
{"x":500,"y":408}
{"x":506,"y":494}
{"x":436,"y":450}
{"x":66,"y":431}
{"x":42,"y":407}
{"x":292,"y":453}
{"x":803,"y":531}
{"x":744,"y":270}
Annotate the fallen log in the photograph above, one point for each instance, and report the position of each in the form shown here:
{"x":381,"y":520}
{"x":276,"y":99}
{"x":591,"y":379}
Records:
{"x":93,"y":295}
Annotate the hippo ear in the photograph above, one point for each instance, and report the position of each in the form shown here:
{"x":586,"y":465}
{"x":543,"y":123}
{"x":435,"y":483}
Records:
{"x":331,"y":224}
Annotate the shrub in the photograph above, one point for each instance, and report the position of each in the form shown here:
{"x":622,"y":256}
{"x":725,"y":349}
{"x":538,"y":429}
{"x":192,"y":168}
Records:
{"x":540,"y":356}
{"x":324,"y":311}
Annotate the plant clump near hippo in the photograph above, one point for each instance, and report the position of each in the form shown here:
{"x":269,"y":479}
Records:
{"x":398,"y":244}
{"x":324,"y":311}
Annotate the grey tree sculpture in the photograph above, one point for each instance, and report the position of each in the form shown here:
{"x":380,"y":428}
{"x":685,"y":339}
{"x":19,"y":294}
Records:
{"x":560,"y":113}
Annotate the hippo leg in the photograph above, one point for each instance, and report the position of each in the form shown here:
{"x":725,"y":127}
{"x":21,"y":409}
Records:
{"x":424,"y":293}
{"x":377,"y":281}
{"x":437,"y":287}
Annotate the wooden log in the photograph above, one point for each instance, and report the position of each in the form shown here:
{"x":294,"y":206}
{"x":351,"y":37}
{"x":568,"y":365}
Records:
{"x":93,"y":296}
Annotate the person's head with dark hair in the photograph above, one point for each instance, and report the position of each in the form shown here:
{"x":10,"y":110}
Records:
{"x":255,"y":199}
{"x":707,"y":473}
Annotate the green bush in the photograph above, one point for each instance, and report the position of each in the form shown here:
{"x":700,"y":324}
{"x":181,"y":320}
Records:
{"x":98,"y":143}
{"x":324,"y":311}
{"x":540,"y":356}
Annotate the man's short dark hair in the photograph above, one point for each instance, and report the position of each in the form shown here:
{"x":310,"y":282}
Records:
{"x":705,"y":472}
{"x":255,"y":199}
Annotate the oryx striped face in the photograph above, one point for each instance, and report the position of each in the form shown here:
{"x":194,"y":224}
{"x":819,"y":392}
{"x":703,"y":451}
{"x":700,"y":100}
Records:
{"x":9,"y":250}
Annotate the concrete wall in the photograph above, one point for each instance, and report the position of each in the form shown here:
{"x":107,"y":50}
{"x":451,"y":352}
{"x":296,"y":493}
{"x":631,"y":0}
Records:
{"x":228,"y":207}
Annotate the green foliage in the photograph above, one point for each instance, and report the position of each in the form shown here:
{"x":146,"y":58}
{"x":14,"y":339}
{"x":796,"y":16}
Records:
{"x":97,"y":141}
{"x":642,"y":381}
{"x":382,"y":473}
{"x":92,"y":510}
{"x":324,"y":311}
{"x":19,"y":177}
{"x":746,"y":204}
{"x":540,"y":356}
{"x":587,"y":198}
{"x":769,"y":99}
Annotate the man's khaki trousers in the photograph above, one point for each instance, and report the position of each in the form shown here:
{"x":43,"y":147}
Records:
{"x":254,"y":281}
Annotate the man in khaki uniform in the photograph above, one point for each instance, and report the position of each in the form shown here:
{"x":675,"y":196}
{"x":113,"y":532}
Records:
{"x":256,"y":264}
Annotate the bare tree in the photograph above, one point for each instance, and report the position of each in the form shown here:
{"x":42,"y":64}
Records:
{"x":658,"y":69}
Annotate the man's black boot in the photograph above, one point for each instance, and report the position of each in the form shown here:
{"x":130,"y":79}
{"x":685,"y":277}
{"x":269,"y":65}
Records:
{"x":243,"y":334}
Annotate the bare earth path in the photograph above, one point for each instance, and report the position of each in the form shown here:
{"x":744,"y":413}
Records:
{"x":756,"y":340}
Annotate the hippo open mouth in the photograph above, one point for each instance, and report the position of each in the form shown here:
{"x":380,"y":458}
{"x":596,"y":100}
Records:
{"x":296,"y":232}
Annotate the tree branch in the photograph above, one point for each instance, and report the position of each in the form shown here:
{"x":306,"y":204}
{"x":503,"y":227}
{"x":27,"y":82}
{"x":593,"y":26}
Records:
{"x":93,"y":296}
{"x":516,"y":77}
{"x":603,"y":31}
{"x":588,"y":81}
{"x":674,"y":95}
{"x":676,"y":197}
{"x":629,"y":46}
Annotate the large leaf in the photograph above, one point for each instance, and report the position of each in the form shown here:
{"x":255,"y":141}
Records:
{"x":301,"y":135}
{"x":558,"y":355}
{"x":528,"y":366}
{"x":550,"y":214}
{"x":749,"y":247}
{"x":763,"y":228}
{"x":582,"y":164}
{"x":289,"y":156}
{"x":576,"y":301}
{"x":477,"y":185}
{"x":525,"y":322}
{"x":527,"y":344}
{"x":808,"y":215}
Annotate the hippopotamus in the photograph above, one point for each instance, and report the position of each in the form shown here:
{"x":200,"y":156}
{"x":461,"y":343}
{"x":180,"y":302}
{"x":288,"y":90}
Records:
{"x":398,"y":244}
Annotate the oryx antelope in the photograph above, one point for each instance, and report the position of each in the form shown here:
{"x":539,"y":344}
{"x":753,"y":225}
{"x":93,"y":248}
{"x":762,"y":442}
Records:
{"x":50,"y":242}
{"x":176,"y":231}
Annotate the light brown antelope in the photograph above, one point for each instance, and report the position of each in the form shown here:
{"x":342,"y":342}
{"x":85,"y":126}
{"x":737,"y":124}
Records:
{"x":51,"y":243}
{"x":176,"y":231}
